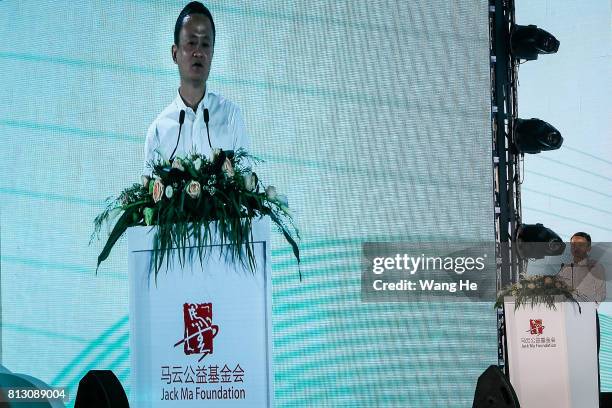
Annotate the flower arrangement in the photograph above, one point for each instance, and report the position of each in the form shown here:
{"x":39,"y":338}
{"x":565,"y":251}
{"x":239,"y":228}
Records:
{"x":187,"y":196}
{"x":538,"y":289}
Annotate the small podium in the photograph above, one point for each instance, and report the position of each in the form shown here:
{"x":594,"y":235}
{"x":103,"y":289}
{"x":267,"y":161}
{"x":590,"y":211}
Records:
{"x":552,"y":354}
{"x":201,"y":334}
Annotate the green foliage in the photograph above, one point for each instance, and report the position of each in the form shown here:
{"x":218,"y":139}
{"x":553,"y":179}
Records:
{"x":536,"y":290}
{"x":192,"y":200}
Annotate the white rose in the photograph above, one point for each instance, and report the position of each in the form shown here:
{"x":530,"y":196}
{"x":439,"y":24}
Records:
{"x":228,"y":168}
{"x":197,"y":164}
{"x":145,"y":181}
{"x":169,"y":191}
{"x":193,"y":189}
{"x":250,"y":181}
{"x":158,"y":190}
{"x":271,"y":192}
{"x":176,"y":164}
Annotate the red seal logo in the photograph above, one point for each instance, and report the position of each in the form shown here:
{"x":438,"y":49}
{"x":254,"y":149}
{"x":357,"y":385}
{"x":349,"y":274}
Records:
{"x":535,"y":327}
{"x":199,"y":330}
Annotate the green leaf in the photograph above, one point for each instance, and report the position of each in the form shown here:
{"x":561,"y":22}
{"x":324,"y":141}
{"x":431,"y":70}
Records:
{"x":123,"y":223}
{"x":182,"y":220}
{"x":288,"y":237}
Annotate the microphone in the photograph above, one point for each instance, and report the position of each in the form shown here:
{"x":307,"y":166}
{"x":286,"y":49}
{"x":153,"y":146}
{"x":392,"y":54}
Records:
{"x":181,"y":120}
{"x":206,"y":119}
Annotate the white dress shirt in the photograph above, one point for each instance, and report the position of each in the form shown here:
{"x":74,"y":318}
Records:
{"x":227,"y":130}
{"x":587,"y":277}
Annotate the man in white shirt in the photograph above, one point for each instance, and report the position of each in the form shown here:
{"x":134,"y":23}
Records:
{"x":587,"y":277}
{"x":583,"y":274}
{"x":192,"y":51}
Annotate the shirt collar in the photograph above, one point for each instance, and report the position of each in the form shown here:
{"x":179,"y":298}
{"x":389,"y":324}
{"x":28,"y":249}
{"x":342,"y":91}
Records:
{"x":180,"y":105}
{"x":583,"y":262}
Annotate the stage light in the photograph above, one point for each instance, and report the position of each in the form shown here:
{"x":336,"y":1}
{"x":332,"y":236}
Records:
{"x":526,"y":42}
{"x":535,"y":241}
{"x":535,"y":135}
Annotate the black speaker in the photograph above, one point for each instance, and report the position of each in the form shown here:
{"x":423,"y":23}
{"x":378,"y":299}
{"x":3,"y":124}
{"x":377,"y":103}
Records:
{"x":100,"y":389}
{"x":605,"y":399}
{"x":493,"y":390}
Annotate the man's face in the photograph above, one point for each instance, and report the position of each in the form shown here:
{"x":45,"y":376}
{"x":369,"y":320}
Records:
{"x":580,"y":247}
{"x":194,"y":52}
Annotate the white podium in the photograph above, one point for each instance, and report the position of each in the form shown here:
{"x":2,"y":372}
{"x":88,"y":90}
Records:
{"x":202,"y":334}
{"x":552,"y":355}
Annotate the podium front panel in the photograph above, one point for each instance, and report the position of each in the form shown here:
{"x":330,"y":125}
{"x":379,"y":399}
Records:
{"x":200,"y":333}
{"x":552,"y":355}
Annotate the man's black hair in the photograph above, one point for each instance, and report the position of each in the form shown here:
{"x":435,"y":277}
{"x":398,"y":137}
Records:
{"x":583,"y":235}
{"x":195,"y":7}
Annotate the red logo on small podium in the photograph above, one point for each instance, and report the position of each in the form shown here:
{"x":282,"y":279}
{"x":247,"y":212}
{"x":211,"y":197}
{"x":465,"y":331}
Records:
{"x":199,"y":329}
{"x":535,"y":326}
